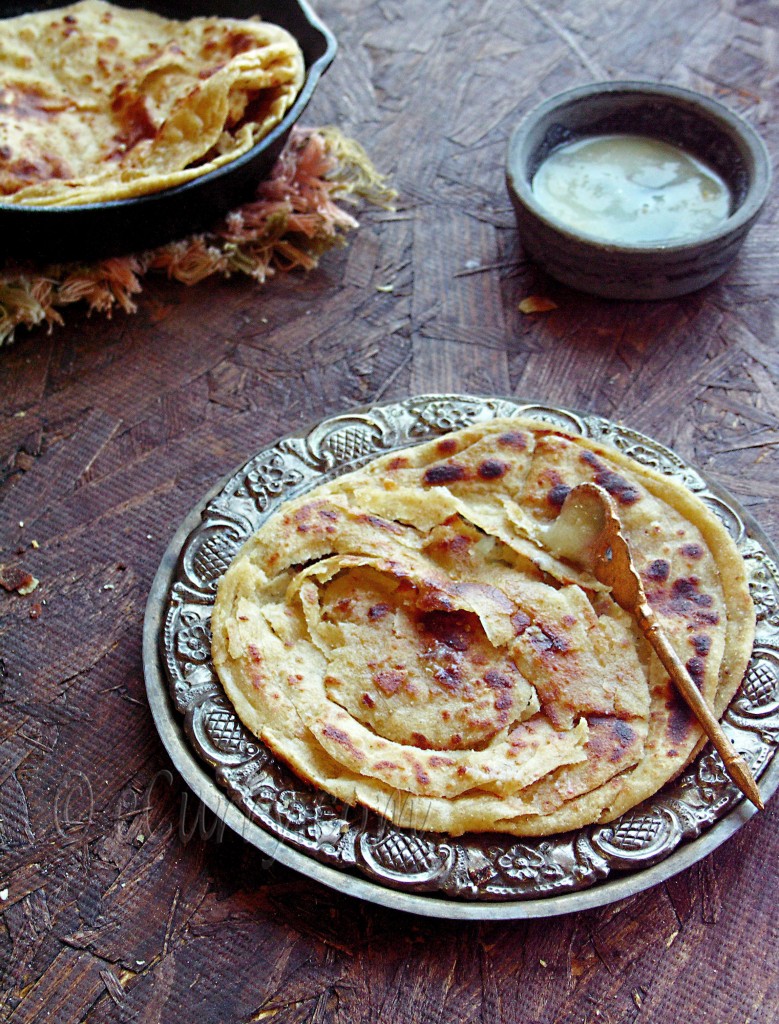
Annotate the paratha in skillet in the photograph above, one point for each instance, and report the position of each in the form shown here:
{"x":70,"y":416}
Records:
{"x":99,"y":102}
{"x":402,"y":638}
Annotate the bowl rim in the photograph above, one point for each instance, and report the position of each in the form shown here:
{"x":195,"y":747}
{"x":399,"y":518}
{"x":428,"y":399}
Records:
{"x":759,"y":185}
{"x":313,"y":74}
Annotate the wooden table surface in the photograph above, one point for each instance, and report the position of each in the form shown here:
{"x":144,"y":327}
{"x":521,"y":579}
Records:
{"x":112,"y":430}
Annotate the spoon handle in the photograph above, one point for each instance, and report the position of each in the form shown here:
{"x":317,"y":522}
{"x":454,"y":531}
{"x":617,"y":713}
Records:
{"x":736,"y":766}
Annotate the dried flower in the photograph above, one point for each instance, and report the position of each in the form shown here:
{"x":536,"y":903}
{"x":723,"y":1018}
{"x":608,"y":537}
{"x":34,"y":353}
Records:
{"x":291,"y":222}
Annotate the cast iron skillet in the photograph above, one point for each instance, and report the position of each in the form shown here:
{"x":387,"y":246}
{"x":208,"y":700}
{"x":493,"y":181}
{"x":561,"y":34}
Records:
{"x":95,"y":230}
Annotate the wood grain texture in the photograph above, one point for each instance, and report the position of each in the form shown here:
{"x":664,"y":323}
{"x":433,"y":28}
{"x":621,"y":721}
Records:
{"x":122,"y":902}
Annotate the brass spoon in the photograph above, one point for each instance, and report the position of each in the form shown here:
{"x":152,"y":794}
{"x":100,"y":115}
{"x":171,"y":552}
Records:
{"x":588,"y":530}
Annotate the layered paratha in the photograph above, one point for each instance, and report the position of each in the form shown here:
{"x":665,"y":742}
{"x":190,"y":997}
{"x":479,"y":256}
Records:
{"x":99,"y":102}
{"x":404,"y":638}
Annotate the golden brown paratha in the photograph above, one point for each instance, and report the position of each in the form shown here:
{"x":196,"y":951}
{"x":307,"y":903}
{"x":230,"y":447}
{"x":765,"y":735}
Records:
{"x":403,"y":638}
{"x":100,"y":102}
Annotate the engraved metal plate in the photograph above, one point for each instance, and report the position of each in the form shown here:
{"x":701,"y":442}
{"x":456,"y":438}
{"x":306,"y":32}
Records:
{"x":358,"y":851}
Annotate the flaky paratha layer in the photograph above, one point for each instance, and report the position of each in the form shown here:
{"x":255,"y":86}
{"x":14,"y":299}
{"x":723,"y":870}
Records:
{"x":100,"y":102}
{"x":403,"y":639}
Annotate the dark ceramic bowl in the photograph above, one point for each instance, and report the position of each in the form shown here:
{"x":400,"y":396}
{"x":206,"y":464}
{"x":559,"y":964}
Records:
{"x":698,"y":125}
{"x":95,"y":230}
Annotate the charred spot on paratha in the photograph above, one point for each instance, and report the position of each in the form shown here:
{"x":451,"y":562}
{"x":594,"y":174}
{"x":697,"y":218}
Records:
{"x":618,"y":487}
{"x":444,"y":473}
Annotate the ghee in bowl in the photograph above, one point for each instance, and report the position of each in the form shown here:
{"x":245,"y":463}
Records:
{"x":631,"y":189}
{"x":635,"y":190}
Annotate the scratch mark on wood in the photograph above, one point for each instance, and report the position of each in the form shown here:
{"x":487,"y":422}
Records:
{"x":114,"y":987}
{"x":566,"y":37}
{"x":169,"y":926}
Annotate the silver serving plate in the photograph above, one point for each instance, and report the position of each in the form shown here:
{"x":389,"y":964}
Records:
{"x":358,"y":852}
